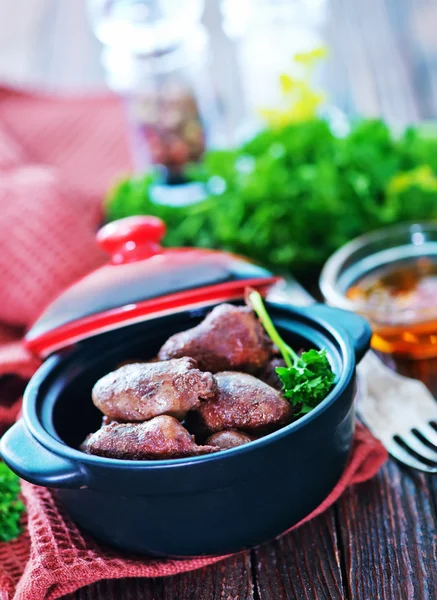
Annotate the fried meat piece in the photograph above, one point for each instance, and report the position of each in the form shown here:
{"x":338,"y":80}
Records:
{"x":229,"y":338}
{"x":160,"y":438}
{"x":243,"y":402}
{"x":269,"y":375}
{"x":230,"y":438}
{"x":141,"y":391}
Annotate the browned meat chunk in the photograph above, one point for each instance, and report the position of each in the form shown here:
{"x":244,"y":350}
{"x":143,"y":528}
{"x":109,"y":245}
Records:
{"x":229,"y":338}
{"x":141,"y":391}
{"x":162,"y":437}
{"x":229,"y":439}
{"x":269,"y":375}
{"x":242,"y":402}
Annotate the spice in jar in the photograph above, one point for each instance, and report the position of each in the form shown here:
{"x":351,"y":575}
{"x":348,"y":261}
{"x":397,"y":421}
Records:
{"x":168,"y":129}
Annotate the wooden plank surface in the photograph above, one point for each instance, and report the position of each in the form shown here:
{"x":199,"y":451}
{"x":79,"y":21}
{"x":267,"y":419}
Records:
{"x":303,"y":564}
{"x":388,"y":537}
{"x":379,"y":541}
{"x":230,"y":579}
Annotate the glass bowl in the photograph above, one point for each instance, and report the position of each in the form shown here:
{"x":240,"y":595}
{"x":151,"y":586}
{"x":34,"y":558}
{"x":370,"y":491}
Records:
{"x":399,"y":326}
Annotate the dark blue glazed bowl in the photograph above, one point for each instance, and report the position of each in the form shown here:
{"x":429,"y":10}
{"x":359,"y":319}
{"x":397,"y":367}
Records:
{"x":207,"y":505}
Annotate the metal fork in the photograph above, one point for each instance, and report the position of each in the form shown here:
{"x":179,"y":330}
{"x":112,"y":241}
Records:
{"x":400,"y":412}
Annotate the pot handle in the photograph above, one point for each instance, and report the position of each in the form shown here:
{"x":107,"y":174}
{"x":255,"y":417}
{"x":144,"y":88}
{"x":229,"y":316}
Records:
{"x":357,"y":328}
{"x":33,"y":462}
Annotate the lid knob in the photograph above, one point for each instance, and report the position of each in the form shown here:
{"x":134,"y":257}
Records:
{"x":132,"y":238}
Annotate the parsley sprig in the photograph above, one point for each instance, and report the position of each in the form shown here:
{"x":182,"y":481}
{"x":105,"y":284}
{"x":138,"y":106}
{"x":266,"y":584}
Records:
{"x":306,"y":379}
{"x":11,"y":506}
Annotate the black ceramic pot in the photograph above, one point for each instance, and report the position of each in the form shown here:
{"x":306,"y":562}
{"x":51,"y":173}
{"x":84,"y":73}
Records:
{"x":207,"y":505}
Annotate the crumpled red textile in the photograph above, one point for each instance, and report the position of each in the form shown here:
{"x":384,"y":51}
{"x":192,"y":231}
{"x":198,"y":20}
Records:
{"x":53,"y":557}
{"x":57,"y":157}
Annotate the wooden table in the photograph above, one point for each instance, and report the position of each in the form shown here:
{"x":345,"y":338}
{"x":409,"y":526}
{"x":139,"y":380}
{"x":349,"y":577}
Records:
{"x":379,"y":540}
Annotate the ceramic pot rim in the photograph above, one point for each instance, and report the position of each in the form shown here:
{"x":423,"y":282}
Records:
{"x":59,"y":448}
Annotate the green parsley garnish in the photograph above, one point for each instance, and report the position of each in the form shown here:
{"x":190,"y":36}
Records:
{"x":307,"y":379}
{"x":11,"y":506}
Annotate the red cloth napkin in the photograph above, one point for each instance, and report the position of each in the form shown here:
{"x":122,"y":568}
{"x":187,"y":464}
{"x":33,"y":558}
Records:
{"x":53,"y":557}
{"x":57,"y":157}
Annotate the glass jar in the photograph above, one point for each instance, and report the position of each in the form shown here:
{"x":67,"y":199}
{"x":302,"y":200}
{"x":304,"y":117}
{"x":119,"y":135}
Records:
{"x":156,"y":56}
{"x":400,"y":264}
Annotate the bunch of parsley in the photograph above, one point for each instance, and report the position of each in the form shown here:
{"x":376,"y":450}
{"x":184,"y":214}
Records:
{"x":306,"y":379}
{"x":293,"y":194}
{"x":11,"y":506}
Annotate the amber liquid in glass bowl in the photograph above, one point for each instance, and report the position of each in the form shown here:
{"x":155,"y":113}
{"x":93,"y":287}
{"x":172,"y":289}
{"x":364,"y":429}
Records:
{"x":397,"y":292}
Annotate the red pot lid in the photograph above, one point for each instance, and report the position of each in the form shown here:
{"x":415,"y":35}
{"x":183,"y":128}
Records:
{"x":142,"y":281}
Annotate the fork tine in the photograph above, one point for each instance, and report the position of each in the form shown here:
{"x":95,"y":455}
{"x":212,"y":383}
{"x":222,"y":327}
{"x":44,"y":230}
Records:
{"x":407,"y":459}
{"x":429,"y":433}
{"x":415,"y":444}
